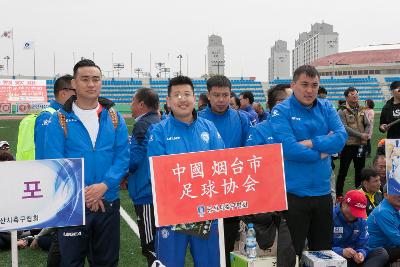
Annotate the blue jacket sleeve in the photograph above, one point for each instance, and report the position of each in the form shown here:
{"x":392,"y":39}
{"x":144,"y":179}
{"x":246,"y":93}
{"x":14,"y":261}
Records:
{"x":334,"y":142}
{"x":254,"y":137}
{"x":338,"y":250}
{"x":246,"y":126}
{"x":283,"y":133}
{"x":156,"y":144}
{"x":361,"y":245}
{"x":119,"y":168}
{"x":41,"y":123}
{"x":216,"y":139}
{"x":387,"y":224}
{"x":137,"y":146}
{"x":54,"y":141}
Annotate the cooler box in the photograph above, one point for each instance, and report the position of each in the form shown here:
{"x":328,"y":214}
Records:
{"x":239,"y":260}
{"x":323,"y":258}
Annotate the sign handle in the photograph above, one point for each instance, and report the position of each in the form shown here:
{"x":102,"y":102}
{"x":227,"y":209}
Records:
{"x":221,"y":238}
{"x":14,"y":249}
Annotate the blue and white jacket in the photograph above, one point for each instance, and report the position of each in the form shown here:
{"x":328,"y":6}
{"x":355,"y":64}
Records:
{"x":349,"y":234}
{"x":233,"y":125}
{"x":305,"y":172}
{"x":107,"y":162}
{"x":42,"y":120}
{"x":261,"y":134}
{"x":252,"y":114}
{"x":139,"y":182}
{"x":172,"y":136}
{"x":384,"y":226}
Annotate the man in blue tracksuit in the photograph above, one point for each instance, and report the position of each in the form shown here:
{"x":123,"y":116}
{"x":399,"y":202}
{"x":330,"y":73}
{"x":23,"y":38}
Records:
{"x":233,"y":125}
{"x":145,"y":105}
{"x":184,"y":132}
{"x":62,"y":92}
{"x":87,"y":127}
{"x":309,"y":130}
{"x":246,"y":104}
{"x":261,"y":134}
{"x":350,"y":233}
{"x":384,"y":226}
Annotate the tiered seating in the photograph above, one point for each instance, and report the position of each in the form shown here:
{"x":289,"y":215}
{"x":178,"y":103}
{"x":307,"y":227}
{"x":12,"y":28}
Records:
{"x":200,"y":86}
{"x":119,"y":91}
{"x":391,"y":79}
{"x":368,"y":88}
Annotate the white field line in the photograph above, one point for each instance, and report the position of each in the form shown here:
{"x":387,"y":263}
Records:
{"x":132,"y":224}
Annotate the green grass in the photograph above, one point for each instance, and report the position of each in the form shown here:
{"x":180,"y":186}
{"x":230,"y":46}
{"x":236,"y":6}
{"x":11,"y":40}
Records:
{"x":130,"y":252}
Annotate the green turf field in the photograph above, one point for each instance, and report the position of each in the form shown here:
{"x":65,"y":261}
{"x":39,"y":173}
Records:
{"x":130,"y":252}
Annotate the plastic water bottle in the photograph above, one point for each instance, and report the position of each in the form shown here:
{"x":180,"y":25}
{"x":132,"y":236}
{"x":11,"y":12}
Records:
{"x":251,"y":242}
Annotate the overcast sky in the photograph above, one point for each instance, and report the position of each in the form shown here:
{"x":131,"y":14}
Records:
{"x":172,"y":27}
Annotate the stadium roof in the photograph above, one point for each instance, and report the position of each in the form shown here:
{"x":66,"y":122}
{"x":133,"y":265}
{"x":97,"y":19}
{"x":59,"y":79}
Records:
{"x":373,"y":54}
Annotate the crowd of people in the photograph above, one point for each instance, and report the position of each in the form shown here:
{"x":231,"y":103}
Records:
{"x":362,"y":225}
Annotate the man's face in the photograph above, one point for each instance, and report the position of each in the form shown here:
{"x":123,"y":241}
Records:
{"x":380,"y":167}
{"x":352,"y":98}
{"x":244,"y":102}
{"x":87,"y":83}
{"x":219,"y":98}
{"x":396,"y":93}
{"x":233,"y":103}
{"x":322,"y":95}
{"x":305,"y":89}
{"x":181,"y":101}
{"x":136,"y":107}
{"x":347,"y":213}
{"x":373,"y":184}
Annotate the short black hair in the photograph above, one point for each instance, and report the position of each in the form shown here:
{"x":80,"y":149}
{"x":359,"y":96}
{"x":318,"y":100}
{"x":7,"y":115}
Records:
{"x":204,"y":98}
{"x":370,"y":103}
{"x":395,"y":85}
{"x":218,"y":81}
{"x":322,"y":90}
{"x":178,"y":80}
{"x":273,"y":93}
{"x":62,"y":83}
{"x":248,"y":95}
{"x":149,"y":97}
{"x":84,"y":63}
{"x":308,"y":70}
{"x":349,"y":90}
{"x":367,"y":173}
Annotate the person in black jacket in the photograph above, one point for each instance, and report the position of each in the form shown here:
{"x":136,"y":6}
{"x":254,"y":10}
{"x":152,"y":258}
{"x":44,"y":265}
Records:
{"x":391,"y":112}
{"x":144,"y":106}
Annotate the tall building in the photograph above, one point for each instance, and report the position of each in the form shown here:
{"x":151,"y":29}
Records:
{"x":279,"y":62}
{"x":319,"y":42}
{"x":216,"y":56}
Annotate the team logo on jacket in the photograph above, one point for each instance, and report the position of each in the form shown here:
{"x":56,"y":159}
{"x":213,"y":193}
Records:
{"x":338,"y":230}
{"x":164,"y":233}
{"x":275,"y":113}
{"x":205,"y":137}
{"x":151,"y":138}
{"x":201,"y":210}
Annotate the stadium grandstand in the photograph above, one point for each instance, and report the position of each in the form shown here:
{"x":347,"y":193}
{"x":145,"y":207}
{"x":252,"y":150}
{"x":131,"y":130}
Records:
{"x":370,"y":69}
{"x":121,"y":90}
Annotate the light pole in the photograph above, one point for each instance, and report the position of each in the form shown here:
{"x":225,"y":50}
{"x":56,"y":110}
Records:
{"x":7,"y":58}
{"x":138,"y":71}
{"x":118,"y":67}
{"x":180,"y":64}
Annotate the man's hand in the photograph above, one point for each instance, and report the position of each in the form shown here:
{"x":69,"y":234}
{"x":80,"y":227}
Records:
{"x":308,"y":143}
{"x":358,"y":258}
{"x":364,"y":136}
{"x":383,"y":127}
{"x":93,"y":196}
{"x":349,"y":253}
{"x":324,"y":155}
{"x":34,"y":244}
